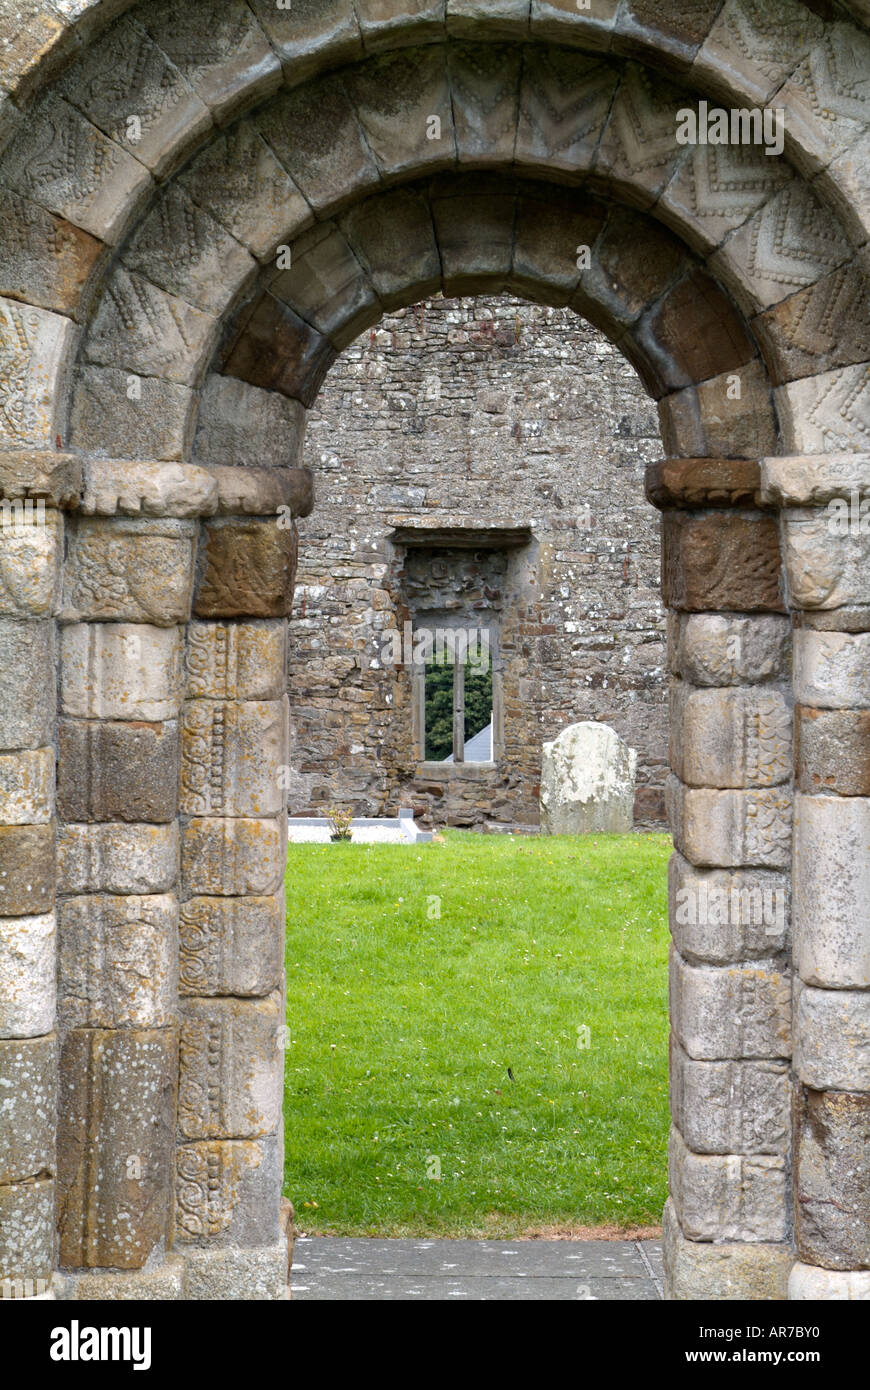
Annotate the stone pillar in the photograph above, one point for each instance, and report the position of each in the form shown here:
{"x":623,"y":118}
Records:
{"x":826,"y":547}
{"x":229,"y":1156}
{"x":31,"y":547}
{"x":127,"y":592}
{"x":726,"y":1225}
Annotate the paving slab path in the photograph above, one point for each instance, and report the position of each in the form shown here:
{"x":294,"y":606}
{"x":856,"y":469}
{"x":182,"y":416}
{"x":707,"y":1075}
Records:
{"x":336,"y":1268}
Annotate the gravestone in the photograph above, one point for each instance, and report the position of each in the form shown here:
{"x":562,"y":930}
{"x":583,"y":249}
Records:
{"x":587,"y":781}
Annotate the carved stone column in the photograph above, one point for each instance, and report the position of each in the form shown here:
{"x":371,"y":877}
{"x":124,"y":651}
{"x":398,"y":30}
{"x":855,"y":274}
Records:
{"x":31,"y":550}
{"x":825,"y":521}
{"x":727,"y":1229}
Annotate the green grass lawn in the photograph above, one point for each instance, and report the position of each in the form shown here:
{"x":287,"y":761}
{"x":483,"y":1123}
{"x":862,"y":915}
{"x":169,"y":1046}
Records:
{"x":436,"y":1081}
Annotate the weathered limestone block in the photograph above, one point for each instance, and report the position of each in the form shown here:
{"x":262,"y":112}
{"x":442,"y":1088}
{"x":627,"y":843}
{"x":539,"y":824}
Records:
{"x":730,"y":1011}
{"x":118,"y":858}
{"x":393,"y":239}
{"x":327,"y":287}
{"x":709,"y":420}
{"x":27,"y":682}
{"x":730,"y":1107}
{"x":230,"y":754}
{"x":715,"y":188}
{"x":832,"y":1038}
{"x":117,"y":771}
{"x":693,"y":483}
{"x":845,"y":186}
{"x":230,"y":1068}
{"x":484,"y":89}
{"x":788,"y":244}
{"x":694,"y":333}
{"x":27,"y":870}
{"x":27,"y":787}
{"x":37,"y":473}
{"x":220,"y":1275}
{"x":30,"y":568}
{"x":753,"y":47}
{"x":171,"y":114}
{"x":564,"y":101}
{"x":55,"y":265}
{"x":117,"y":414}
{"x":250,"y":569}
{"x":285,"y":493}
{"x":316,"y":135}
{"x":720,"y":917}
{"x":311,"y":33}
{"x":638,"y":151}
{"x":27,"y":1230}
{"x":825,"y":569}
{"x":147,"y":489}
{"x":395,"y":96}
{"x":382,"y":21}
{"x":722,"y":1273}
{"x":27,"y":976}
{"x":231,"y":945}
{"x":832,"y":669}
{"x":475,"y":238}
{"x":161,"y":1283}
{"x":121,"y":671}
{"x":63,"y":162}
{"x":731,"y":829}
{"x":278,"y":351}
{"x":808,"y":1282}
{"x":727,"y":1196}
{"x":620,"y":281}
{"x":35,"y":347}
{"x":731,"y":737}
{"x":242,"y":426}
{"x":821,"y":327}
{"x":131,"y":571}
{"x":827,"y":413}
{"x":587,"y":781}
{"x":831,"y":891}
{"x":469,"y":18}
{"x":832,"y":1199}
{"x":226,"y":1192}
{"x":721,"y":562}
{"x":117,"y":961}
{"x":28,"y":1102}
{"x":676,"y":34}
{"x":233,"y":857}
{"x":226,"y":62}
{"x":826,"y":104}
{"x":239,"y":180}
{"x":832,"y":751}
{"x":544,"y":226}
{"x":560,"y":20}
{"x":183,"y":250}
{"x":116,"y":1147}
{"x":144,"y":330}
{"x":803,"y":480}
{"x":714,"y":649}
{"x":236,"y":661}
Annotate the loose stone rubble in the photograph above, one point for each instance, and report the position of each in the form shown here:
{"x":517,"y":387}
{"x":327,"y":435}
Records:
{"x":149,"y":309}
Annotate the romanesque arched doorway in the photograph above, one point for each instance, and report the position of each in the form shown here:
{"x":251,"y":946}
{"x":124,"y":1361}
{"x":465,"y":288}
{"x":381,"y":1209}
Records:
{"x":203,"y":206}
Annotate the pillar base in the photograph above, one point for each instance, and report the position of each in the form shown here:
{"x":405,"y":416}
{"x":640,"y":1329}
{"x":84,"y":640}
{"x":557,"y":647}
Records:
{"x":698,"y":1270}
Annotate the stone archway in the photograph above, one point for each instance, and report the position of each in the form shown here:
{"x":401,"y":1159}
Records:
{"x":181,"y":265}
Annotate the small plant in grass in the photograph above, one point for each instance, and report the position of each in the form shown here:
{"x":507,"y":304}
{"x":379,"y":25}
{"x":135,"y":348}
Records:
{"x":340,"y":818}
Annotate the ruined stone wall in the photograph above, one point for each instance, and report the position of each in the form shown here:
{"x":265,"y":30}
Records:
{"x":471,"y":412}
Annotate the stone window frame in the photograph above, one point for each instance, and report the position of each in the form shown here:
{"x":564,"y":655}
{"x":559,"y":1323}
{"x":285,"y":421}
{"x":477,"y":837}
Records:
{"x":459,"y":767}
